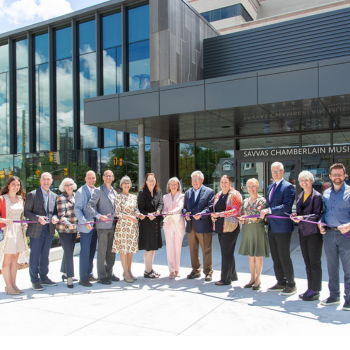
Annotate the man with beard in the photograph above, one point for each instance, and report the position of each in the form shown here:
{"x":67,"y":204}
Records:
{"x":336,"y":214}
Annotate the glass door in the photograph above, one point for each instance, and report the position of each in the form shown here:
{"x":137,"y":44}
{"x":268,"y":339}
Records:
{"x":248,"y":170}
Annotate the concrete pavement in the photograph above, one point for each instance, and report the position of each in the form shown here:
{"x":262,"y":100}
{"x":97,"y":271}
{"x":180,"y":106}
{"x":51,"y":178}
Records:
{"x":171,"y":307}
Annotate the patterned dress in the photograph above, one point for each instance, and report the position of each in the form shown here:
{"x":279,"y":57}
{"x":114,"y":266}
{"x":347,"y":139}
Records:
{"x":254,"y":239}
{"x":126,"y":232}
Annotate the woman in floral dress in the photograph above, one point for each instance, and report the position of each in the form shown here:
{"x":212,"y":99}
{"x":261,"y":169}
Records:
{"x":254,"y":240}
{"x":127,"y":229}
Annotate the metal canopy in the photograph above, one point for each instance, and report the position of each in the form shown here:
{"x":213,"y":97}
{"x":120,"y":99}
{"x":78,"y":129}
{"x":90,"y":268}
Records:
{"x":309,"y":97}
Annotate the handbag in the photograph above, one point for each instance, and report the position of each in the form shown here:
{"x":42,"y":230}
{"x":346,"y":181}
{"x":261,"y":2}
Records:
{"x":1,"y":235}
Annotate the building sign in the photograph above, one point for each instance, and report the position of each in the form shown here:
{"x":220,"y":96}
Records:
{"x":302,"y":151}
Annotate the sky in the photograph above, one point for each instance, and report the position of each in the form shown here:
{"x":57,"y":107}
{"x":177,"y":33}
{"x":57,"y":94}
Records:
{"x":20,"y":13}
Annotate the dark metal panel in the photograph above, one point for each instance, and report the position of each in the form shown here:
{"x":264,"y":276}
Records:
{"x":52,"y":83}
{"x":31,"y":91}
{"x":99,"y":70}
{"x":12,"y":97}
{"x":182,"y":100}
{"x":75,"y":73}
{"x":289,"y":86}
{"x":101,"y":111}
{"x":334,"y":80}
{"x":139,"y":105}
{"x":308,"y":39}
{"x":233,"y":93}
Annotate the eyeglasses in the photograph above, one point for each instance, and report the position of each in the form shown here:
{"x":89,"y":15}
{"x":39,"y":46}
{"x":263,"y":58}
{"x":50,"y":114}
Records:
{"x":337,"y":175}
{"x":275,"y":172}
{"x":125,"y":183}
{"x":68,"y":185}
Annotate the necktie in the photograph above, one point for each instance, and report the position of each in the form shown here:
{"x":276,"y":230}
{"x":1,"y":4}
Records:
{"x":273,"y":189}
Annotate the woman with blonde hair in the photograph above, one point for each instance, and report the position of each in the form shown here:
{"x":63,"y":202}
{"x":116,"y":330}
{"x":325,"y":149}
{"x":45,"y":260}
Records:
{"x":67,"y":228}
{"x":13,"y":247}
{"x":174,"y":225}
{"x":254,"y":239}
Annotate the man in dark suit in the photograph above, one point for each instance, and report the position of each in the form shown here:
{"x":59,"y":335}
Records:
{"x":102,"y":207}
{"x":280,"y":198}
{"x":199,"y":200}
{"x":88,"y":234}
{"x":41,"y":206}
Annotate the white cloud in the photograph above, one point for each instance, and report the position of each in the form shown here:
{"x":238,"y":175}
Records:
{"x":33,"y":10}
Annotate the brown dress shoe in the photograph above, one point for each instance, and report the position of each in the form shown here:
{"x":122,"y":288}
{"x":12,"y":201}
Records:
{"x":85,"y":283}
{"x":92,"y":279}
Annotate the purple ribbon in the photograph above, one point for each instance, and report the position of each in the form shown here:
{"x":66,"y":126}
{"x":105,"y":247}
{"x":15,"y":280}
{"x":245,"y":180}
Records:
{"x":287,"y":217}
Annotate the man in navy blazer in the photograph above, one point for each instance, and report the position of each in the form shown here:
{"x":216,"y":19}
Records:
{"x":88,"y":234}
{"x":198,"y":201}
{"x":280,"y":198}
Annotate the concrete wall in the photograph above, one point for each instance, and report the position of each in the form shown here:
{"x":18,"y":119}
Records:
{"x":176,"y":42}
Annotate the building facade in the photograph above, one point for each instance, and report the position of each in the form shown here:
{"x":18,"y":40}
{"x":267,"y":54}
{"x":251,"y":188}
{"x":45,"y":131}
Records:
{"x":137,"y":86}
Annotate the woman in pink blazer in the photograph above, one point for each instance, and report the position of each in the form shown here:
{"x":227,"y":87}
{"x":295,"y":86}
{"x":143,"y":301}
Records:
{"x":174,"y":225}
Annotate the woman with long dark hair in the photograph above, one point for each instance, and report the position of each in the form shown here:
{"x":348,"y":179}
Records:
{"x":150,"y":203}
{"x":14,"y":242}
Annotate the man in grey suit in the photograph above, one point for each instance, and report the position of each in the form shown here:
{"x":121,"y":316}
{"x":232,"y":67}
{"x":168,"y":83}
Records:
{"x":41,"y":206}
{"x":88,"y":234}
{"x":102,"y":207}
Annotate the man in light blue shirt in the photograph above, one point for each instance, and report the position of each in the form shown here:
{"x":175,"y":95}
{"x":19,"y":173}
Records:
{"x":336,"y":215}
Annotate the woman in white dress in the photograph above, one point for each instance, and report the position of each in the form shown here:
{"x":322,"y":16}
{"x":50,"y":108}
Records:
{"x":14,"y":242}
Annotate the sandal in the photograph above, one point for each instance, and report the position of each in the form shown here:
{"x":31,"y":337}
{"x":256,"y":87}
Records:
{"x":150,"y":274}
{"x":156,"y":273}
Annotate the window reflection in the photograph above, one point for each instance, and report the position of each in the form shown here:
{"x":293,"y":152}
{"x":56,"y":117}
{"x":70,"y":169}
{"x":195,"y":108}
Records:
{"x":4,"y":114}
{"x":64,"y":103}
{"x":138,"y":24}
{"x":112,"y":71}
{"x":87,"y":80}
{"x":87,"y":34}
{"x":112,"y":30}
{"x":6,"y":168}
{"x":42,"y":107}
{"x":42,"y":49}
{"x":63,"y":43}
{"x":22,"y":54}
{"x":22,"y":111}
{"x":139,"y":66}
{"x":4,"y":58}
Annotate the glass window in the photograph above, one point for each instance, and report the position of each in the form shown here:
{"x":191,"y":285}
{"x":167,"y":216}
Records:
{"x":139,"y":66}
{"x":215,"y":15}
{"x":87,"y":37}
{"x":4,"y":58}
{"x":113,"y":138}
{"x":42,"y":49}
{"x":64,"y":43}
{"x":341,"y":138}
{"x":22,"y":111}
{"x":269,"y":142}
{"x":22,"y":54}
{"x":42,"y":107}
{"x":6,"y":168}
{"x":138,"y":24}
{"x":112,"y":71}
{"x":87,"y":83}
{"x":64,"y":87}
{"x":4,"y":114}
{"x":316,"y":140}
{"x":186,"y":164}
{"x":319,"y":167}
{"x":206,"y":15}
{"x":112,"y":30}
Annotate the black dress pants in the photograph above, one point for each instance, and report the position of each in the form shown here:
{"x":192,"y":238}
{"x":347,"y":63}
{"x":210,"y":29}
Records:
{"x":280,"y":252}
{"x":311,"y":248}
{"x":68,"y":245}
{"x":227,"y":242}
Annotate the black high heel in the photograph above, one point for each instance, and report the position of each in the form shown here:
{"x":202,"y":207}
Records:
{"x":65,"y":278}
{"x":70,"y":285}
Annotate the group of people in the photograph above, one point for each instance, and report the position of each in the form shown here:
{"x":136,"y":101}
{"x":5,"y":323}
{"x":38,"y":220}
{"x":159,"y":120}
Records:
{"x":123,"y":223}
